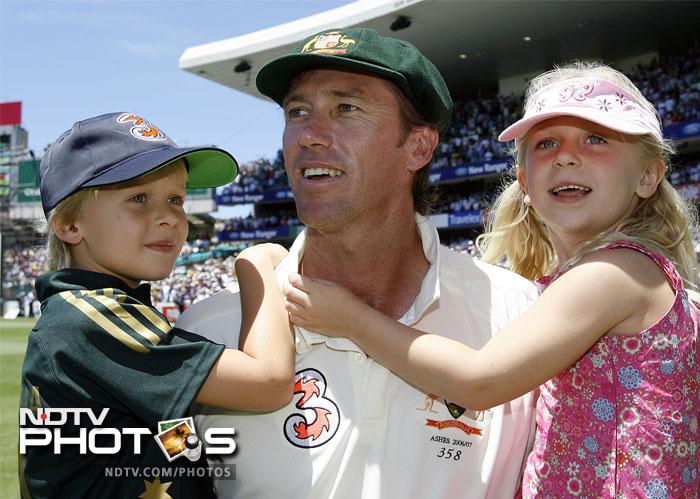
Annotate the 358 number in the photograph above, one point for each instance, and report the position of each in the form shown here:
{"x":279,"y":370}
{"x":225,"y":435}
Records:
{"x":450,"y":453}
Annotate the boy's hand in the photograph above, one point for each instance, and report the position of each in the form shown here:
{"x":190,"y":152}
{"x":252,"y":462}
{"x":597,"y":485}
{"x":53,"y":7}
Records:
{"x":265,"y":252}
{"x":321,"y":305}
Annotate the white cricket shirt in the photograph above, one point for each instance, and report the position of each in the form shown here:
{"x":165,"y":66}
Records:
{"x":353,"y":429}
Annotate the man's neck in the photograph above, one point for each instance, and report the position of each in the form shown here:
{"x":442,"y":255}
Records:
{"x":383,"y":265}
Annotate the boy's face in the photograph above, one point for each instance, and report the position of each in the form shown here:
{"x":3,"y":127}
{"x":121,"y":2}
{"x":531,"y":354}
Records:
{"x":134,"y":232}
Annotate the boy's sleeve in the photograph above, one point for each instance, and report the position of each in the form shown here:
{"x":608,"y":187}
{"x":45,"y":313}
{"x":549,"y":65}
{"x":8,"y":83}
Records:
{"x":126,"y":355}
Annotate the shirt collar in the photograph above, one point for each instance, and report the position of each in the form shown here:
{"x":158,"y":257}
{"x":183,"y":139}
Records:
{"x":52,"y":283}
{"x":428,"y":294}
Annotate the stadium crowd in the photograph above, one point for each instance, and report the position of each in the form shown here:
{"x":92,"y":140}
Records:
{"x":672,"y":82}
{"x":190,"y":283}
{"x":448,"y":203}
{"x":21,"y":265}
{"x":283,"y":218}
{"x":258,"y":176}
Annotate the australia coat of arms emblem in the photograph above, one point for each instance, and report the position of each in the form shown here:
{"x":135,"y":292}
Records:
{"x":333,"y":42}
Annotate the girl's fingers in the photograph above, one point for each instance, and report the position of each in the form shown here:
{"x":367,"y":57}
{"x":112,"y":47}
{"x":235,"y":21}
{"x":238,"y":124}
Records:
{"x":298,"y":281}
{"x":296,"y":314}
{"x":294,"y":308}
{"x":297,"y":320}
{"x":297,"y":296}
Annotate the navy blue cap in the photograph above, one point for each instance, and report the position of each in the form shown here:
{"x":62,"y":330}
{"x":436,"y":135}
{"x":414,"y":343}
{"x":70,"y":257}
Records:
{"x":117,"y":147}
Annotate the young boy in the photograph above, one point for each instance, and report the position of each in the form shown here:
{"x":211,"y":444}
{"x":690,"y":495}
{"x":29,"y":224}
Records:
{"x":112,"y":189}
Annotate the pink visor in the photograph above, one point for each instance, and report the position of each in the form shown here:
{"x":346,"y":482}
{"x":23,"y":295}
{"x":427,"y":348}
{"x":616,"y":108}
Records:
{"x":592,"y":99}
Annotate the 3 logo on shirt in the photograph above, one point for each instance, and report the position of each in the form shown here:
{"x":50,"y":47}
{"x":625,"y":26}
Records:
{"x":319,"y":417}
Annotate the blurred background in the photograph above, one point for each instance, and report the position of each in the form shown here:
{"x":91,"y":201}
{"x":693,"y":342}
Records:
{"x":190,"y":67}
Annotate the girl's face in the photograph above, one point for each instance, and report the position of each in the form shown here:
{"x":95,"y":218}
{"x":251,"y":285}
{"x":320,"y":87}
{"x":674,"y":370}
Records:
{"x":583,"y":179}
{"x":135,"y":232}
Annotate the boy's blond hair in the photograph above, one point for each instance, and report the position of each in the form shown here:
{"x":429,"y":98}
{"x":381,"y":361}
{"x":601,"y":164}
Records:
{"x":662,"y":222}
{"x":71,"y":209}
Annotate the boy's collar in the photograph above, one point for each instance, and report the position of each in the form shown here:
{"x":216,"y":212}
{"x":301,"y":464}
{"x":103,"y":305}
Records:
{"x":74,"y":279}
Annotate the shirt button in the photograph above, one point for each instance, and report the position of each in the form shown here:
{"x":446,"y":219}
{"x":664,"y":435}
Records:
{"x":359,"y":358}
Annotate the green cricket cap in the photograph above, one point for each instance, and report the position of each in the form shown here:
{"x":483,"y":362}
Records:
{"x":363,"y":49}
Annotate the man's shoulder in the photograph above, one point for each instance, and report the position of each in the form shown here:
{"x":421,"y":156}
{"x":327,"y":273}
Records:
{"x":217,"y":317}
{"x":493,"y":293}
{"x":474,"y":271}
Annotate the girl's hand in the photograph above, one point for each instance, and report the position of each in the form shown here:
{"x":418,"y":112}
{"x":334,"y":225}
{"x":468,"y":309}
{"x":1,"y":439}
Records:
{"x":322,"y":306}
{"x":265,"y":252}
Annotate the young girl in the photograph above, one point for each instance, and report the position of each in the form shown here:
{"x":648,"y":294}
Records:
{"x":113,"y":189}
{"x":613,"y":339}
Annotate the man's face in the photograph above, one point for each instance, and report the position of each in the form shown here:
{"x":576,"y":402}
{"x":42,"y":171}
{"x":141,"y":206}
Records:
{"x":344,"y":149}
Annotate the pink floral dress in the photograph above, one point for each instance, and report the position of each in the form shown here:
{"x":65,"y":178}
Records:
{"x":623,"y":420}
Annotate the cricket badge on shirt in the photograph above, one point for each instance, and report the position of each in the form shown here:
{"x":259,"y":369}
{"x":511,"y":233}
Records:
{"x":457,"y":412}
{"x":451,"y":442}
{"x":318,"y":417}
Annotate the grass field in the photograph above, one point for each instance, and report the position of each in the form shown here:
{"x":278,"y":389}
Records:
{"x":13,"y":341}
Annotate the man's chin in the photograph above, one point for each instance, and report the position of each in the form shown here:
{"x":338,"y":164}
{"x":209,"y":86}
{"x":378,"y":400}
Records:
{"x":324,"y":217}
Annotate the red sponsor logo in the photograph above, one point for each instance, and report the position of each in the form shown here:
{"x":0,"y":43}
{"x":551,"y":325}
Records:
{"x":315,"y":417}
{"x":141,"y":128}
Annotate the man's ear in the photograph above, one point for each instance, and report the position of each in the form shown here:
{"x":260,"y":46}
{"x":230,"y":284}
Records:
{"x":651,"y":178}
{"x":68,"y":232}
{"x":422,"y":141}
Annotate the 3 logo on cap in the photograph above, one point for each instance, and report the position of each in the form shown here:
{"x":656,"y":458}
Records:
{"x":141,"y":128}
{"x":326,"y":43}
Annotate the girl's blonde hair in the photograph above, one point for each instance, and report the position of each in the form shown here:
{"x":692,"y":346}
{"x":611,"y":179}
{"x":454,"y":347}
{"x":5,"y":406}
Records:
{"x":72,"y":208}
{"x":662,"y":222}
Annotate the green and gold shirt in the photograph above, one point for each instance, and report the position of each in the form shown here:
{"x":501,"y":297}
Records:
{"x":101,"y":345}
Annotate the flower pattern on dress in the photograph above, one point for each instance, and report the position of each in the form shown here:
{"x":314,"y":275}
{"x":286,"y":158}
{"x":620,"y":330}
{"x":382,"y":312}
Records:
{"x":656,"y":489}
{"x":590,"y":444}
{"x":597,"y":360}
{"x":629,"y":377}
{"x":667,"y":367}
{"x":632,"y":430}
{"x":603,"y":409}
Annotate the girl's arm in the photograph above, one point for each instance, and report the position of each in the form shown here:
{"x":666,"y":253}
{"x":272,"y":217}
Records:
{"x":260,"y":377}
{"x":605,"y":291}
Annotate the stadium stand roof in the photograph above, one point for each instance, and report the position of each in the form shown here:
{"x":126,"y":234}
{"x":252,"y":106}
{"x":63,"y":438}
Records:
{"x":475,"y":44}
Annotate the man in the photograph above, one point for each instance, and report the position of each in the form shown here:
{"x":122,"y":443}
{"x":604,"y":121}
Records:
{"x":362,"y":119}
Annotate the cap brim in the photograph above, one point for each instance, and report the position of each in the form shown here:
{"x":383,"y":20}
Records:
{"x":521,"y":127}
{"x":275,"y":78}
{"x":207,"y":166}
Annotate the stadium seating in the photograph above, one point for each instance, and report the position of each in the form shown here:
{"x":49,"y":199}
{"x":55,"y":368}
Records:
{"x":205,"y":266}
